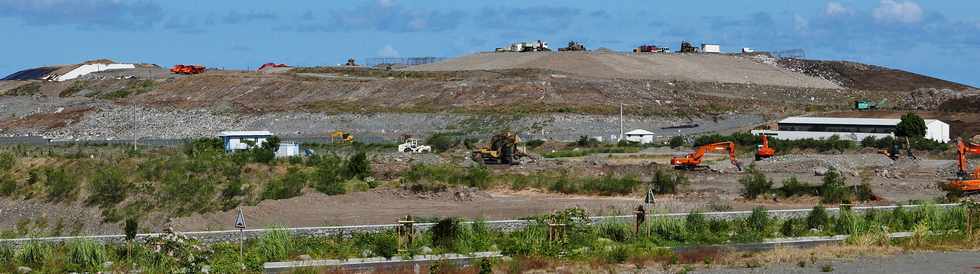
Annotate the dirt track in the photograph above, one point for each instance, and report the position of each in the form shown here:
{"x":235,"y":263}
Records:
{"x":667,"y":67}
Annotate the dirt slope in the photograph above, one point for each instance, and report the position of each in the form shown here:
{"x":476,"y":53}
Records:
{"x":667,"y":67}
{"x":868,"y":77}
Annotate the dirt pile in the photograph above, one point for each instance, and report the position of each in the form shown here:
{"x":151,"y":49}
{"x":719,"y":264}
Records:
{"x":867,"y":77}
{"x":667,"y":67}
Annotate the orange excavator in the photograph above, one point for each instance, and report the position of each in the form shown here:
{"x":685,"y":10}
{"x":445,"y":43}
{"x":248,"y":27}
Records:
{"x":187,"y":69}
{"x":966,"y":183}
{"x":693,"y":160}
{"x":764,"y":151}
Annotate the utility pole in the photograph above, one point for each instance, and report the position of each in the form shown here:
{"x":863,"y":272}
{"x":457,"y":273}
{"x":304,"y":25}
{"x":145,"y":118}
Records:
{"x":620,"y":121}
{"x":134,"y":127}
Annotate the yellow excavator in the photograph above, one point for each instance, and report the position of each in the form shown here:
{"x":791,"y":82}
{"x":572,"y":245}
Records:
{"x":503,"y":149}
{"x":341,"y":137}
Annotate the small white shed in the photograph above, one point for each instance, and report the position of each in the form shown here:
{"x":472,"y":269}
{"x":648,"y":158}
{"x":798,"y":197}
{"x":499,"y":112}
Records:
{"x":287,"y":150}
{"x":236,"y":140}
{"x":640,"y":136}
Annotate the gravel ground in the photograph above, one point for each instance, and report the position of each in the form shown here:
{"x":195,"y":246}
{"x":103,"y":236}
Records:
{"x":911,"y":263}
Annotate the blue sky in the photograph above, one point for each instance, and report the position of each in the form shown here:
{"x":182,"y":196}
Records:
{"x":939,"y":38}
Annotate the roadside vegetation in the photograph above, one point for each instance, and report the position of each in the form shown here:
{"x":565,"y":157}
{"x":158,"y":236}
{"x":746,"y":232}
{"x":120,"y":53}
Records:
{"x":833,"y":190}
{"x":578,"y":241}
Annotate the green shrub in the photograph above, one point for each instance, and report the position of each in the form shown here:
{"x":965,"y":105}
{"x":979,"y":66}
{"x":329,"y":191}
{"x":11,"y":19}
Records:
{"x":793,"y":187}
{"x":911,"y":126}
{"x":586,"y":141}
{"x":834,"y":188}
{"x":107,"y":188}
{"x":759,"y":219}
{"x":184,"y":194}
{"x":863,"y":192}
{"x":6,"y":255}
{"x":328,"y":179}
{"x":358,"y":167}
{"x":818,"y":218}
{"x":290,"y":185}
{"x":385,"y":244}
{"x":790,"y":228}
{"x":7,"y":161}
{"x":33,"y":254}
{"x":444,"y":141}
{"x":609,"y":185}
{"x":59,"y":186}
{"x":667,"y":181}
{"x":475,"y":176}
{"x":696,"y":223}
{"x":7,"y":185}
{"x":619,"y":232}
{"x":85,"y":256}
{"x":754,"y":183}
{"x":676,"y":141}
{"x":445,"y":233}
{"x":275,"y":245}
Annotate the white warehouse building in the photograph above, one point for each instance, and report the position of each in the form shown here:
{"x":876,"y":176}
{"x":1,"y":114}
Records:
{"x":855,"y":129}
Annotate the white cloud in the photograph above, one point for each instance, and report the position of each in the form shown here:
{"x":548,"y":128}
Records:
{"x":388,"y":51}
{"x":800,"y":23}
{"x":386,"y":3}
{"x":897,"y":11}
{"x":834,"y":9}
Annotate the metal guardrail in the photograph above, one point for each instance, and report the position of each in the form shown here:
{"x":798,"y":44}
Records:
{"x":506,"y":225}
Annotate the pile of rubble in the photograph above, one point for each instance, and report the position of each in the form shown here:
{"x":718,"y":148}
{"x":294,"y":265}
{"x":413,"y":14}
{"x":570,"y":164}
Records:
{"x":849,"y":164}
{"x":928,"y":98}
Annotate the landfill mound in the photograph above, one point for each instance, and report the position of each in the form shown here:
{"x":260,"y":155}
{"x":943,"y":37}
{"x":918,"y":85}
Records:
{"x":667,"y":67}
{"x":867,"y":77}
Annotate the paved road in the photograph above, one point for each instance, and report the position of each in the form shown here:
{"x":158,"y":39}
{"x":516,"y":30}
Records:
{"x":911,"y":263}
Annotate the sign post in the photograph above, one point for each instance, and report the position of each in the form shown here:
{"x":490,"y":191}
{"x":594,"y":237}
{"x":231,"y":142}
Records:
{"x":240,"y":225}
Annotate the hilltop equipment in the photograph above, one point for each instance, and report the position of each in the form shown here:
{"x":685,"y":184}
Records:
{"x":412,"y":145}
{"x":869,"y":105}
{"x":693,"y":160}
{"x":573,"y":46}
{"x":686,"y":47}
{"x":341,"y":137}
{"x":650,"y":48}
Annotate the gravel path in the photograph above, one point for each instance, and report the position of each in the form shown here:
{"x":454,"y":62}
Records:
{"x":911,"y":263}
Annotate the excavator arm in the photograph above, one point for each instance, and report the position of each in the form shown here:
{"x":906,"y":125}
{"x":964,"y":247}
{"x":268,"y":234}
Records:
{"x":965,"y":182}
{"x":693,"y":160}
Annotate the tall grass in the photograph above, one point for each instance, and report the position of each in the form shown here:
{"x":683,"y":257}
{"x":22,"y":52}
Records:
{"x":33,"y":254}
{"x":85,"y":256}
{"x":275,"y":244}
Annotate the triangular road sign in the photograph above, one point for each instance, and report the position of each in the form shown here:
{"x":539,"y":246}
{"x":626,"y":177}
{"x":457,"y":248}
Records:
{"x":649,"y":199}
{"x":240,"y":220}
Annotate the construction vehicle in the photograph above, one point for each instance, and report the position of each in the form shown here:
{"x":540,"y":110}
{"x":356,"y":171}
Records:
{"x":693,"y":160}
{"x":351,"y":63}
{"x":892,"y":153}
{"x":272,"y":65}
{"x":341,"y":137}
{"x":503,"y":149}
{"x":412,"y":145}
{"x":966,"y":183}
{"x":869,"y":105}
{"x":687,"y":47}
{"x":573,"y":46}
{"x":650,"y":48}
{"x":187,"y":69}
{"x":526,"y":47}
{"x":764,"y":151}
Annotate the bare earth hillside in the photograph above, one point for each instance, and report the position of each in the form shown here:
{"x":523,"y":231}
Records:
{"x":667,"y":67}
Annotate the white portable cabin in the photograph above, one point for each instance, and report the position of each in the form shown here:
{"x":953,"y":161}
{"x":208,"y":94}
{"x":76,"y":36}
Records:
{"x":710,"y":48}
{"x":287,"y":150}
{"x":640,"y":136}
{"x":236,"y":140}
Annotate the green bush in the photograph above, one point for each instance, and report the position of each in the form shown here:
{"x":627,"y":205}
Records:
{"x":107,"y":188}
{"x":911,"y":126}
{"x":818,"y":218}
{"x":834,"y":189}
{"x":385,"y":244}
{"x":444,"y":141}
{"x":696,"y":223}
{"x":476,"y":176}
{"x":59,"y":186}
{"x":291,"y":185}
{"x":586,"y":141}
{"x":358,"y":167}
{"x":7,"y":161}
{"x":676,"y":141}
{"x":7,"y":185}
{"x":758,"y":220}
{"x":275,"y":245}
{"x":790,"y":228}
{"x":85,"y":256}
{"x":609,"y":185}
{"x":184,"y":194}
{"x":863,"y":192}
{"x":445,"y":233}
{"x":668,"y":181}
{"x":754,"y":183}
{"x":793,"y":187}
{"x":328,"y":179}
{"x":6,"y":255}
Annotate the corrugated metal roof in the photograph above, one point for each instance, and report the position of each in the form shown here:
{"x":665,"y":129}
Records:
{"x":639,"y":132}
{"x":846,"y":121}
{"x":245,"y":133}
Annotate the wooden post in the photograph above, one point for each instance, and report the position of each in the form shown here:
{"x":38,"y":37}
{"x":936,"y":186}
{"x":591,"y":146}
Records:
{"x":406,"y":233}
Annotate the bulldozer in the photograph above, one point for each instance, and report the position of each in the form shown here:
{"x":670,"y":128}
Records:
{"x":966,"y":183}
{"x":687,"y":47}
{"x":869,"y":105}
{"x":503,"y":149}
{"x":764,"y":151}
{"x":692,"y":161}
{"x":573,"y":46}
{"x":340,"y":137}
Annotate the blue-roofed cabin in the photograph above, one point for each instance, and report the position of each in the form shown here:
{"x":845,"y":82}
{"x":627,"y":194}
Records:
{"x":238,"y":140}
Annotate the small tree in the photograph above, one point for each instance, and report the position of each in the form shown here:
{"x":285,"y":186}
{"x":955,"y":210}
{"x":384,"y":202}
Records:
{"x":676,"y":141}
{"x":358,"y":167}
{"x":755,"y":183}
{"x":911,"y":126}
{"x":834,"y":188}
